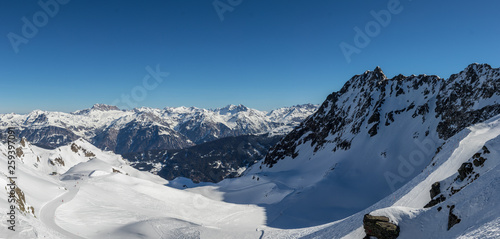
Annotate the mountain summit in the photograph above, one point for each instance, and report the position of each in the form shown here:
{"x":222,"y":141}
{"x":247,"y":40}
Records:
{"x":372,"y":137}
{"x":103,"y":107}
{"x":232,"y":109}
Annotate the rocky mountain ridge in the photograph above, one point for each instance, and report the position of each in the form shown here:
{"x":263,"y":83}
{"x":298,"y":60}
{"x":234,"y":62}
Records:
{"x":463,"y":99}
{"x":370,"y":138}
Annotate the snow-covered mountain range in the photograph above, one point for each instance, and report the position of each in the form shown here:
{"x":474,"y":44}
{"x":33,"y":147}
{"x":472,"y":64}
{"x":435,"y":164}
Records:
{"x":141,"y":129}
{"x":420,"y":154}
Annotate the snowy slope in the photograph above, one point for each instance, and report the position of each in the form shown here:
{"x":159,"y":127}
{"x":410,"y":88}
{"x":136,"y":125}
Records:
{"x":139,"y":205}
{"x":367,"y":140}
{"x":101,"y":196}
{"x":374,"y":136}
{"x":476,"y":204}
{"x":413,"y":147}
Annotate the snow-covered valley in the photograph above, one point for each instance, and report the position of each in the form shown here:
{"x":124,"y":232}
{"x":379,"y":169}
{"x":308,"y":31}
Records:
{"x":102,"y":197}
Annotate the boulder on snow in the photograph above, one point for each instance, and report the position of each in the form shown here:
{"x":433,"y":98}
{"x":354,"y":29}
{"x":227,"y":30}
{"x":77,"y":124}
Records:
{"x":379,"y":227}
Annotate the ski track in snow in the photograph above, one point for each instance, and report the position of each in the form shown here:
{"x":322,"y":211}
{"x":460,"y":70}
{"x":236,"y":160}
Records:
{"x":48,"y":211}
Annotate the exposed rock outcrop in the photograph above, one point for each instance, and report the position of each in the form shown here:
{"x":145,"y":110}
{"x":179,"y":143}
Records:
{"x":436,"y":189}
{"x":465,"y":170}
{"x":380,"y":227}
{"x":452,"y":218}
{"x":75,"y":148}
{"x":466,"y":174}
{"x":435,"y":201}
{"x":23,"y":207}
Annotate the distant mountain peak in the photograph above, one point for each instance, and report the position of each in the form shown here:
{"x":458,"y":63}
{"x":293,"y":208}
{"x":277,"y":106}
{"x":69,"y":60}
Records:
{"x":232,"y":109}
{"x":104,"y":107}
{"x":308,"y":105}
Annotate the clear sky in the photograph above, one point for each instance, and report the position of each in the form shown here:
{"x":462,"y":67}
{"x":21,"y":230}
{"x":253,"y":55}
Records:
{"x":263,"y":53}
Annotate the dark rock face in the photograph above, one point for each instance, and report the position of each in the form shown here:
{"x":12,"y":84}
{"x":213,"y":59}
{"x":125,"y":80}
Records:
{"x":202,"y":133}
{"x":452,"y":218}
{"x":436,"y":189}
{"x":98,"y":107}
{"x":479,"y":159}
{"x":106,"y":139}
{"x":103,"y":107}
{"x":135,"y":137}
{"x":445,"y":106}
{"x":75,"y":148}
{"x":207,"y":162}
{"x":460,"y":93}
{"x":435,"y":201}
{"x":380,"y":227}
{"x":48,"y":137}
{"x":465,"y":170}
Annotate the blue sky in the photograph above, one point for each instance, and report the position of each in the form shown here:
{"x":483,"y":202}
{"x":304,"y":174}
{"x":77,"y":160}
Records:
{"x":264,"y":54}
